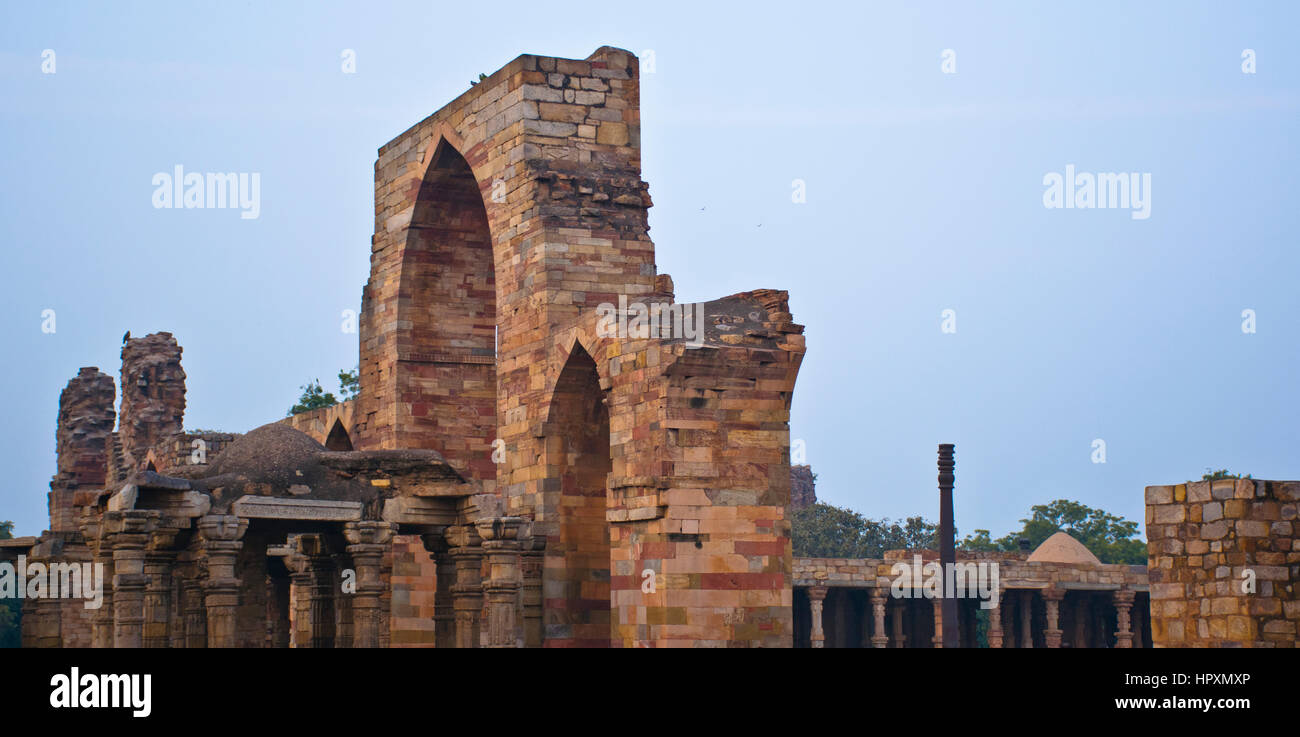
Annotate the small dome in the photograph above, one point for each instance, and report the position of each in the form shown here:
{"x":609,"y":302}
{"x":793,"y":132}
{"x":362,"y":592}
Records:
{"x":278,"y":460}
{"x":1061,"y":548}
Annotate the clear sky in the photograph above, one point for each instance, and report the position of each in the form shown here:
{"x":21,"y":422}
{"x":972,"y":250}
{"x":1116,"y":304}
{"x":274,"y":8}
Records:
{"x":924,"y":192}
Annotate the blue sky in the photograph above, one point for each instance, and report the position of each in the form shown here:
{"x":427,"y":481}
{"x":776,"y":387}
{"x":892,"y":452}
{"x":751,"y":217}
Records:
{"x":924,"y":193}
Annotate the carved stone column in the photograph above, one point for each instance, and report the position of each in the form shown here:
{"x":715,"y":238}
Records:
{"x":816,"y":600}
{"x":467,"y":592}
{"x":1052,"y":598}
{"x":1123,"y":605}
{"x":196,"y":614}
{"x":101,"y":553}
{"x":878,"y":601}
{"x":502,"y":545}
{"x":1080,"y":621}
{"x":221,"y":542}
{"x":1026,"y":618}
{"x":938,"y":622}
{"x":47,"y":618}
{"x":900,"y":614}
{"x":368,"y":542}
{"x":532,"y":561}
{"x":444,"y":613}
{"x":995,"y":625}
{"x":1005,"y":621}
{"x":158,"y":560}
{"x":130,"y":533}
{"x":1138,"y":637}
{"x":278,"y":634}
{"x":311,"y":580}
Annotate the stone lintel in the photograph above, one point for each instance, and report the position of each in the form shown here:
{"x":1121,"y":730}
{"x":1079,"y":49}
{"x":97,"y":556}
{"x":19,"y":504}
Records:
{"x":265,"y":507}
{"x":409,"y":511}
{"x":1086,"y":586}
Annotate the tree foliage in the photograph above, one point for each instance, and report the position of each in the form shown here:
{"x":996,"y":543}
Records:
{"x":314,"y":395}
{"x":827,"y":531}
{"x":1222,"y":473}
{"x":11,"y":609}
{"x":349,"y":383}
{"x":1112,"y":539}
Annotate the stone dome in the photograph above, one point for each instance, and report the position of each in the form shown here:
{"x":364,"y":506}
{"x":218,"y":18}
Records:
{"x":1061,"y":548}
{"x":278,"y":460}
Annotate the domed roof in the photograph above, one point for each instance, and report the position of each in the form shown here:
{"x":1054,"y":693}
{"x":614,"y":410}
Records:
{"x":1061,"y":548}
{"x":277,"y":460}
{"x":269,"y":451}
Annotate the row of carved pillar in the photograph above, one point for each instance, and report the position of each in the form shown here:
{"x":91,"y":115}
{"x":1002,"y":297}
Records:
{"x":137,"y":551}
{"x":1052,"y":598}
{"x":489,"y":584}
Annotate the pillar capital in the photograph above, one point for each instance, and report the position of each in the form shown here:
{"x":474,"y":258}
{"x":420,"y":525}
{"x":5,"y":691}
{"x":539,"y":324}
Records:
{"x":369,"y":532}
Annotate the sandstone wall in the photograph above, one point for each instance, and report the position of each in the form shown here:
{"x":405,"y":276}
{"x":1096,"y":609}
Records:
{"x":1207,"y":542}
{"x":85,"y":424}
{"x":803,"y":487}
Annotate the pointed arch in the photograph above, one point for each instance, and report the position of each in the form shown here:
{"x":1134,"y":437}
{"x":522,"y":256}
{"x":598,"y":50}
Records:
{"x":338,"y":438}
{"x":577,"y":571}
{"x":446,"y":319}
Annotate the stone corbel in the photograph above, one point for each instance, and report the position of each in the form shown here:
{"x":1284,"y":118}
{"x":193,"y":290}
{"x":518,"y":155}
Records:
{"x":634,"y":498}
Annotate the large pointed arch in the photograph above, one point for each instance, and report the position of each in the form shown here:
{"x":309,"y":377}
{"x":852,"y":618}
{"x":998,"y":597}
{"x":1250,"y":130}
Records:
{"x":576,"y":577}
{"x":445,"y":340}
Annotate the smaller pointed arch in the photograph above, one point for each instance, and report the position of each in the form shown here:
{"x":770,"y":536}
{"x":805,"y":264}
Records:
{"x":338,"y":438}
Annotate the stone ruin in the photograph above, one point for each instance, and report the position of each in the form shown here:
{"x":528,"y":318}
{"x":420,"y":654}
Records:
{"x":512,"y":472}
{"x":1225,"y":565}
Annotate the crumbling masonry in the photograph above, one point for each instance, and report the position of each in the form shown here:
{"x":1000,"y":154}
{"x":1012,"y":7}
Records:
{"x":511,"y":473}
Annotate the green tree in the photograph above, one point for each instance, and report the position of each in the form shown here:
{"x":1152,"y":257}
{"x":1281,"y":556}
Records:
{"x":827,"y":531}
{"x":313,"y":397}
{"x":1112,"y":539}
{"x":1222,"y":473}
{"x":349,"y":383}
{"x":11,"y":609}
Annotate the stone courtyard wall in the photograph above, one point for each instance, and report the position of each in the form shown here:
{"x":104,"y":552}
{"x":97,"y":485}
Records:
{"x":1207,"y":541}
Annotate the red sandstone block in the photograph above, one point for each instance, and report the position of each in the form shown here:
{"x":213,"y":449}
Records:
{"x":738,"y":581}
{"x":774,"y":547}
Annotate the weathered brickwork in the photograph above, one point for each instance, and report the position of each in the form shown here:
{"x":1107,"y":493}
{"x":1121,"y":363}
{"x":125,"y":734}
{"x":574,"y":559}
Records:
{"x":1224,"y":563}
{"x":513,"y":472}
{"x":153,"y":396}
{"x":803,"y":487}
{"x":502,"y":222}
{"x":85,"y":424}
